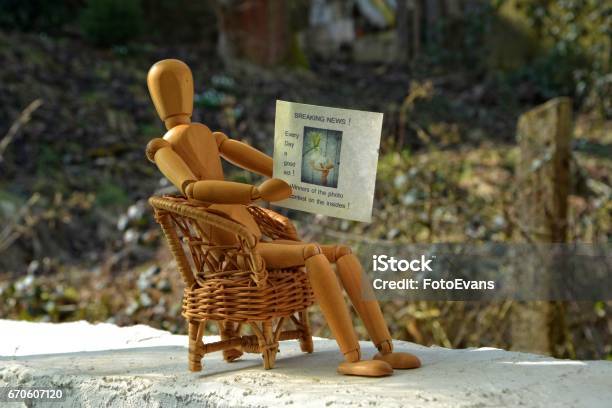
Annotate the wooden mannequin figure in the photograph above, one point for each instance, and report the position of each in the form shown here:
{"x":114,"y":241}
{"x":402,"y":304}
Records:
{"x":189,"y":155}
{"x":324,"y":169}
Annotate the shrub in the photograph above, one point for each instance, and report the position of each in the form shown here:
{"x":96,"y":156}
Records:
{"x":111,"y":22}
{"x":36,"y":15}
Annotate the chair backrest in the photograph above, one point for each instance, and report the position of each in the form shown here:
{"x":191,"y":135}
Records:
{"x":188,"y":228}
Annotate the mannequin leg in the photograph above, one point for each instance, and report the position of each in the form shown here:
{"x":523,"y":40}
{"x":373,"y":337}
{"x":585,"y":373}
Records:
{"x":328,"y":293}
{"x":351,"y":275}
{"x":325,"y":286}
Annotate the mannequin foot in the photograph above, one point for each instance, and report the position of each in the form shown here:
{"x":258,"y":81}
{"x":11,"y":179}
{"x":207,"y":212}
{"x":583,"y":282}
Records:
{"x":399,"y":360}
{"x":368,"y":368}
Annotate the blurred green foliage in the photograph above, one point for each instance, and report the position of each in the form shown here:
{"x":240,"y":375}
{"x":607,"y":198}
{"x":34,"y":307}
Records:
{"x":180,"y":20}
{"x":574,"y":44}
{"x":551,"y":48}
{"x":459,"y":41}
{"x":110,"y":194}
{"x":579,"y":35}
{"x":114,"y":22}
{"x":36,"y":15}
{"x":111,"y":22}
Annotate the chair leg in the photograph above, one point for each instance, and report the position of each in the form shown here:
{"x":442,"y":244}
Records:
{"x":271,"y":347}
{"x":306,"y":344}
{"x":267,"y":345}
{"x":196,"y":331}
{"x":229,"y":330}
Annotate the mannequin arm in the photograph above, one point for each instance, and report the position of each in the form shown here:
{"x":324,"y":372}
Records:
{"x":176,"y":170}
{"x":222,"y":192}
{"x":228,"y":192}
{"x":251,"y":159}
{"x":160,"y":152}
{"x":243,"y":155}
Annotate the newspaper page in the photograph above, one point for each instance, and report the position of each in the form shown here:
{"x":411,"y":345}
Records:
{"x":329,"y":158}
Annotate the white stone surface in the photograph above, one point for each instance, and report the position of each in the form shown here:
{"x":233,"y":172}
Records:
{"x":104,"y":365}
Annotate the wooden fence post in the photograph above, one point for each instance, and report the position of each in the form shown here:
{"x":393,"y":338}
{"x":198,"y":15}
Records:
{"x":543,"y":181}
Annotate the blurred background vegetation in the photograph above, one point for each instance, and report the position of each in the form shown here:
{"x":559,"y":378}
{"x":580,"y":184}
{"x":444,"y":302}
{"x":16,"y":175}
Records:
{"x":77,"y":238}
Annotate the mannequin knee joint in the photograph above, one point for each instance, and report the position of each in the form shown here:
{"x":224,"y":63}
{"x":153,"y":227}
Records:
{"x":311,"y":250}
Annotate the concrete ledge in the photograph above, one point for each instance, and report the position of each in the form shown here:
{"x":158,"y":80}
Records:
{"x":104,"y":365}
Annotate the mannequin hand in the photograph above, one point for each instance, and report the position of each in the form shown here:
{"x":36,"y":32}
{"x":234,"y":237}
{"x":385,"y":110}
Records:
{"x":273,"y":190}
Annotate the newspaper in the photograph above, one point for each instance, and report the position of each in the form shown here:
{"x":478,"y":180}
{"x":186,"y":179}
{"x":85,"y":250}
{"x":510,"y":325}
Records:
{"x":329,"y":157}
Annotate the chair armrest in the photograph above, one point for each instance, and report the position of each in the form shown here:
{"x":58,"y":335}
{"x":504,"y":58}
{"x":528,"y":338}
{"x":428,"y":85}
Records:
{"x":184,"y":208}
{"x":183,"y":222}
{"x":272,"y":224}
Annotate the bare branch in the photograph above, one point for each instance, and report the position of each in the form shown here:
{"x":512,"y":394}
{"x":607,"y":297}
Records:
{"x":23,"y":119}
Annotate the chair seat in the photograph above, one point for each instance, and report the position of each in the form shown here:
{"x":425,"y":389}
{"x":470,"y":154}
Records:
{"x":240,"y":300}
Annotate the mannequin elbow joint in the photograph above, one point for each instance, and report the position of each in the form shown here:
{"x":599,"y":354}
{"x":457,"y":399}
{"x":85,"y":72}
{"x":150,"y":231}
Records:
{"x":311,"y":250}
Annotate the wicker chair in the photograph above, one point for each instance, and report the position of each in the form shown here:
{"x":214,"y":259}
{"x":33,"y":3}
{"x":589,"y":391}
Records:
{"x":230,"y":285}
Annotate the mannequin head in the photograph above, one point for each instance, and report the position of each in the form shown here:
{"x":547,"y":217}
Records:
{"x":170,"y":84}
